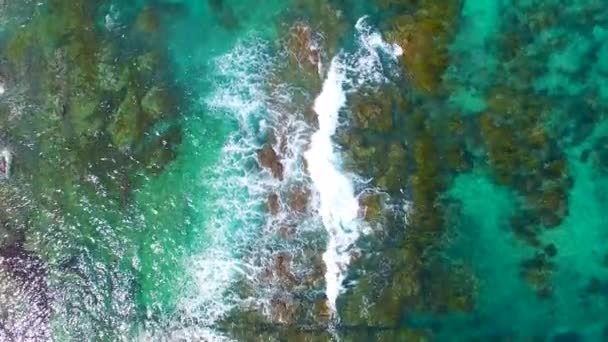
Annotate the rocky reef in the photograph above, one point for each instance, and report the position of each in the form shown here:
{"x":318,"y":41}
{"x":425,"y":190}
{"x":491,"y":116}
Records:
{"x":88,"y":116}
{"x":504,"y":103}
{"x":424,"y":31}
{"x":412,"y":141}
{"x":410,"y":152}
{"x":514,"y":126}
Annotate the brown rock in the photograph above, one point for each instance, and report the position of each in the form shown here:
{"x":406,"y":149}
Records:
{"x":372,"y":205}
{"x":323,"y":309}
{"x":284,"y":145}
{"x":298,"y":199}
{"x":287,"y":232}
{"x":355,"y":255}
{"x":268,"y":158}
{"x":273,"y":204}
{"x":311,"y":117}
{"x":317,"y":274}
{"x":282,"y":264}
{"x":282,"y":309}
{"x":302,"y":47}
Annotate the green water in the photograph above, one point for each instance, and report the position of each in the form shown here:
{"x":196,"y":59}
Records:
{"x":138,"y":207}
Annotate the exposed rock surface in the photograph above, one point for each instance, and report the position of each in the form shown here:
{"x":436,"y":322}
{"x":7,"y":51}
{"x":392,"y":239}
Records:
{"x":269,"y":159}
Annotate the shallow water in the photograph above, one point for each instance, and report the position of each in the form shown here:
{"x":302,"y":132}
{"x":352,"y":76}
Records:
{"x":304,"y":170}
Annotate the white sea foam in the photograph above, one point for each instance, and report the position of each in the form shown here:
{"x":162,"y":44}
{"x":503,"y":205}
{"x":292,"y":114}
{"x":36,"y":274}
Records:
{"x":338,"y":203}
{"x":237,"y":190}
{"x":365,"y":65}
{"x":238,"y":232}
{"x":233,"y":195}
{"x":371,"y":40}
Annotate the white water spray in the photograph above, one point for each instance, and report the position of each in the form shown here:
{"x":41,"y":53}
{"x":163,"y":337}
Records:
{"x":338,"y":203}
{"x":237,"y":190}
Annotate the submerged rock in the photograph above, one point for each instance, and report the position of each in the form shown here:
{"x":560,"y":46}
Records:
{"x":298,"y":199}
{"x":287,"y":231}
{"x":111,"y":77}
{"x":273,"y":204}
{"x":125,"y":130}
{"x":537,"y":272}
{"x":23,"y":287}
{"x":569,"y":336}
{"x":226,"y":15}
{"x":94,"y":122}
{"x":22,"y":265}
{"x":370,"y":114}
{"x":156,"y":103}
{"x":5,"y":164}
{"x":148,"y":20}
{"x":424,"y":37}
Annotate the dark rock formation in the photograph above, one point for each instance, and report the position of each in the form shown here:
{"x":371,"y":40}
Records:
{"x":269,"y":159}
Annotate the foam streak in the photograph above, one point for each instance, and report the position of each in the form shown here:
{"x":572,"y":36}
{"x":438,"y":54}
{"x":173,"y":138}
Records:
{"x":338,"y":205}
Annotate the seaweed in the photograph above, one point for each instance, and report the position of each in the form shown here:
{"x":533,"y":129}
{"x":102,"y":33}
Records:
{"x":424,"y":36}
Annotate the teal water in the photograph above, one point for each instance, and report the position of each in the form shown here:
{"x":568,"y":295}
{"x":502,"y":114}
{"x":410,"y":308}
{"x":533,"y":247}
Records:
{"x":161,"y":188}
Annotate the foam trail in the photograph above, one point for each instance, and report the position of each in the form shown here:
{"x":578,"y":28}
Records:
{"x":338,"y":204}
{"x":232,"y":199}
{"x":236,"y":222}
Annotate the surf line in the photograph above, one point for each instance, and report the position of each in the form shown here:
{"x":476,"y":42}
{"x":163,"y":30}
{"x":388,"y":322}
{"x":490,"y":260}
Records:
{"x":338,"y":205}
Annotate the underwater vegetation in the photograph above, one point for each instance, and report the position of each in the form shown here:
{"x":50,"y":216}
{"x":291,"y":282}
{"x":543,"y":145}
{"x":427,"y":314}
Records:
{"x":88,"y":95}
{"x":91,"y":133}
{"x":507,"y":129}
{"x":425,"y":34}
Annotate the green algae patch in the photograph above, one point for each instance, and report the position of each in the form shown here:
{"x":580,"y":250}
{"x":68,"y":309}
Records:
{"x":426,"y":221}
{"x":525,"y":156}
{"x":584,"y":224}
{"x":424,"y":36}
{"x":124,"y":128}
{"x":83,"y":153}
{"x":375,"y":116}
{"x":490,"y":219}
{"x":374,"y":143}
{"x":497,"y":190}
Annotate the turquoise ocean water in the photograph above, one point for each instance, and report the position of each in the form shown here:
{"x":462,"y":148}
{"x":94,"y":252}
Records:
{"x":304,"y":170}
